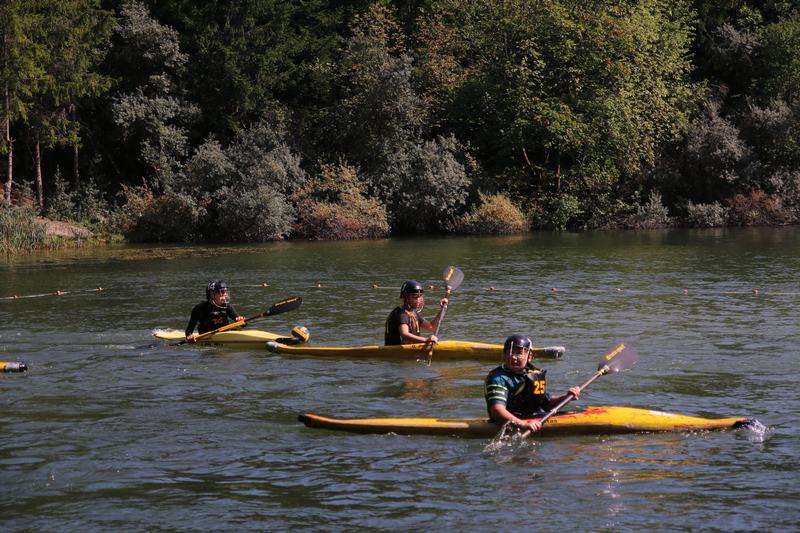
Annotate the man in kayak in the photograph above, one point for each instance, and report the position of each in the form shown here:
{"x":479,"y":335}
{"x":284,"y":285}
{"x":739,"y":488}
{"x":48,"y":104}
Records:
{"x":214,"y":313}
{"x":404,"y":322}
{"x":516,"y":390}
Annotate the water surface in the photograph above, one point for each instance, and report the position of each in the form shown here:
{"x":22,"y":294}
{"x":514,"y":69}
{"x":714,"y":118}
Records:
{"x":109,"y":432}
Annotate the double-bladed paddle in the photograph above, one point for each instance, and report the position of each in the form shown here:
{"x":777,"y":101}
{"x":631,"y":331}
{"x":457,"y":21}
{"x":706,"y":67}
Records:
{"x":452,"y":277}
{"x":289,"y":304}
{"x":620,"y":358}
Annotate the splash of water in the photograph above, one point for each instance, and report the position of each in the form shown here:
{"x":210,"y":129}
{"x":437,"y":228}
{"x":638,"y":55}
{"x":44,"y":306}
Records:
{"x":755,"y":429}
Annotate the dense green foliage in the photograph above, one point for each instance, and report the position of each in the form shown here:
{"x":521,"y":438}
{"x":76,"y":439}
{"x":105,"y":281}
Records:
{"x":263,"y":119}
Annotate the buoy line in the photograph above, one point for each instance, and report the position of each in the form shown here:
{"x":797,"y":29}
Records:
{"x":57,"y":293}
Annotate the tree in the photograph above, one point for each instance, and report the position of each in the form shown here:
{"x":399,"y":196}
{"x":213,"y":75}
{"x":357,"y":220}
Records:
{"x":561,"y":96}
{"x":244,"y":55}
{"x":77,"y":32}
{"x":149,"y":107}
{"x":376,"y":106}
{"x":378,"y":121}
{"x":22,"y":72}
{"x":245,"y":186}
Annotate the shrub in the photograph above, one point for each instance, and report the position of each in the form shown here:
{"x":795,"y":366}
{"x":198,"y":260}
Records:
{"x":61,"y":204}
{"x":245,"y":186}
{"x":209,"y":169}
{"x":757,"y":209}
{"x":652,"y":215}
{"x":261,"y":155}
{"x":335,"y":206}
{"x":555,"y":211}
{"x":786,"y":184}
{"x":496,"y":215}
{"x":254,"y":215}
{"x":172,"y":217}
{"x":706,"y":215}
{"x":20,"y":231}
{"x":91,"y":206}
{"x":425,"y":183}
{"x":716,"y":160}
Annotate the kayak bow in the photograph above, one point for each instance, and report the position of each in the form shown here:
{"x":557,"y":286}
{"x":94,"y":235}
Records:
{"x":246,"y":337}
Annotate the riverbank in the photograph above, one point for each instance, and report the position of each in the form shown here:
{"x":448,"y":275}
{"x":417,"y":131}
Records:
{"x":22,"y":232}
{"x":65,"y":230}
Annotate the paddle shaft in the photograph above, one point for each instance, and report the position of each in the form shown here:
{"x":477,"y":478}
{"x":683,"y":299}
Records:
{"x":441,"y":313}
{"x":570,"y":397}
{"x":436,"y":332}
{"x":224,"y":328}
{"x":452,"y":278}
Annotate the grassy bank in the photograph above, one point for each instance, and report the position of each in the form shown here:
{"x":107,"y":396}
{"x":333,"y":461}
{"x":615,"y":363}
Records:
{"x":21,"y":231}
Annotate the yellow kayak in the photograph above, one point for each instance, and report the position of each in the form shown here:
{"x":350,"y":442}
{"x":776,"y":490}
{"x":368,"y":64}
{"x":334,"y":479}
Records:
{"x":252,"y":338}
{"x":592,"y":420}
{"x":12,"y":366}
{"x":444,"y":350}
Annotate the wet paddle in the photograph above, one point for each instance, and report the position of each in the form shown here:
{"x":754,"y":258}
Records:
{"x":452,"y":277}
{"x":289,"y":304}
{"x":620,"y":358}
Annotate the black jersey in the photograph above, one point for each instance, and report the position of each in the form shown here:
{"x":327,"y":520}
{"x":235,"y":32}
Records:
{"x":208,"y":317}
{"x":399,"y":316}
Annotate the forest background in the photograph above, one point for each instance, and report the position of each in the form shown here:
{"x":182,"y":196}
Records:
{"x":256,"y":120}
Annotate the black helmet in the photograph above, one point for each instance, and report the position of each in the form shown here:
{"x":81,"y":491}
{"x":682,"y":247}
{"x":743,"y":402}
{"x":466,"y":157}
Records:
{"x":516,"y":340}
{"x":215,"y":286}
{"x":411,"y":287}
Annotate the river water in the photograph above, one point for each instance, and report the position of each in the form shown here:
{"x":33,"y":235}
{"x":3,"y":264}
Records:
{"x":108,"y":432}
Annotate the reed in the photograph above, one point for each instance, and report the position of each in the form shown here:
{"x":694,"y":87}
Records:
{"x":20,"y":231}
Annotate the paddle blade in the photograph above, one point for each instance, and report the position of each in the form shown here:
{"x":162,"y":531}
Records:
{"x":289,"y":304}
{"x":620,"y":358}
{"x":452,"y":277}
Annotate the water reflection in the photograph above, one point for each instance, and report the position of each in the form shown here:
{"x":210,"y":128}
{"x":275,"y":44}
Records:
{"x":447,"y":382}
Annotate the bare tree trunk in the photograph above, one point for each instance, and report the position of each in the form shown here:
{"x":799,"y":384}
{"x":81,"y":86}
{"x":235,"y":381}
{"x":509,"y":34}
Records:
{"x":38,"y":165}
{"x":10,"y":146}
{"x":558,"y":179}
{"x":75,"y":168}
{"x":558,"y":175}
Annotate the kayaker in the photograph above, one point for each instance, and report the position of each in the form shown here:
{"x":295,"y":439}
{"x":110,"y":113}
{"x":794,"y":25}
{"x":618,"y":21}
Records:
{"x":405,"y":321}
{"x":213,"y":313}
{"x":516,"y":390}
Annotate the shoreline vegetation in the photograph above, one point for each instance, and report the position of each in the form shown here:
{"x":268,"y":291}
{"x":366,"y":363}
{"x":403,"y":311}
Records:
{"x":168,"y":122}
